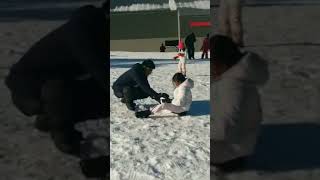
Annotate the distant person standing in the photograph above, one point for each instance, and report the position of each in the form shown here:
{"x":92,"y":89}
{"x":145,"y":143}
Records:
{"x":162,"y":48}
{"x":182,"y":62}
{"x":205,"y":47}
{"x":230,"y":23}
{"x":189,"y":42}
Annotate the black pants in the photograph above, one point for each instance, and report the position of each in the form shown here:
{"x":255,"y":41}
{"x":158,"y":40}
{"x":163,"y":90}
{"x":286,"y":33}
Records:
{"x":191,"y":52}
{"x":65,"y":103}
{"x":204,"y":54}
{"x":130,"y":93}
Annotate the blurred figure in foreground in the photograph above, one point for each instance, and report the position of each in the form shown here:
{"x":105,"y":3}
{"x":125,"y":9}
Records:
{"x":236,"y":108}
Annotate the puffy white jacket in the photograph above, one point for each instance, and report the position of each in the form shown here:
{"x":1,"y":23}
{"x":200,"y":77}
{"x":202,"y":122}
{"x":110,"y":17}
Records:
{"x":182,"y":95}
{"x":236,"y":110}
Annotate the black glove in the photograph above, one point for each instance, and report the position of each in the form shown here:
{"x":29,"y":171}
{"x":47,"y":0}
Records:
{"x":166,"y":98}
{"x":157,"y":97}
{"x":162,"y":95}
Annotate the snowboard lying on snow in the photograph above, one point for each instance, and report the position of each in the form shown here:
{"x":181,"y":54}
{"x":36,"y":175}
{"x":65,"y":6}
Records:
{"x":164,"y":114}
{"x":157,"y":115}
{"x":167,"y":115}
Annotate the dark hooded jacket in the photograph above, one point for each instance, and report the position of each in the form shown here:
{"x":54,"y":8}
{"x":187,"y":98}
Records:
{"x":190,"y":40}
{"x":78,"y":47}
{"x":134,"y":77}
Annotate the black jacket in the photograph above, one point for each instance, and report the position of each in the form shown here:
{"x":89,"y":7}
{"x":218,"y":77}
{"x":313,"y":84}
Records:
{"x":78,"y":47}
{"x":134,"y":77}
{"x":190,"y":40}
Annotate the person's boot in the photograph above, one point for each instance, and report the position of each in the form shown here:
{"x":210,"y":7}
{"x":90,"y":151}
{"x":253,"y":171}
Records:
{"x":95,"y":167}
{"x":131,"y":106}
{"x":123,"y":100}
{"x":68,"y":141}
{"x":42,"y":123}
{"x":143,"y":114}
{"x":128,"y":96}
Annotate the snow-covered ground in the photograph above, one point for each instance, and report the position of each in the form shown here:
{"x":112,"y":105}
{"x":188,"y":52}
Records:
{"x":170,"y":148}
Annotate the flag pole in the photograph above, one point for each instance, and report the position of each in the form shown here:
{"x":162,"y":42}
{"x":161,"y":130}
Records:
{"x":178,"y":14}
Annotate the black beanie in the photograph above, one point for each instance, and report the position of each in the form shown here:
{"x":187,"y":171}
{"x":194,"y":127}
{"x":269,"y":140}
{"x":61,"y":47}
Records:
{"x":148,"y":63}
{"x":224,"y":50}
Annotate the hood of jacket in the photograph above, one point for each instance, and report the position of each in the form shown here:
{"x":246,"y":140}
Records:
{"x":251,"y":69}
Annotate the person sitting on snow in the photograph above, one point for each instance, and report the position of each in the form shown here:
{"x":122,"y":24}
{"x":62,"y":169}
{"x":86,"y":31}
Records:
{"x":134,"y":85}
{"x":236,"y":109}
{"x":181,"y":102}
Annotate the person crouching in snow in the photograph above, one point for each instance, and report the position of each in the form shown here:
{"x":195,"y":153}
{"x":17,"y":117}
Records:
{"x":182,"y":62}
{"x":236,"y":109}
{"x":181,"y":102}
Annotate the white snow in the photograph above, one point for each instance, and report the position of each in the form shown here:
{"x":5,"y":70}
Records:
{"x":201,"y":4}
{"x":170,"y":148}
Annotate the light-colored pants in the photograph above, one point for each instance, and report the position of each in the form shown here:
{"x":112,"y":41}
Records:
{"x":182,"y":67}
{"x":230,"y":23}
{"x":169,"y":107}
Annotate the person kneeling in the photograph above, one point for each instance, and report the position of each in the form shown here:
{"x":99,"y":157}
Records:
{"x":133,"y":84}
{"x":181,"y":102}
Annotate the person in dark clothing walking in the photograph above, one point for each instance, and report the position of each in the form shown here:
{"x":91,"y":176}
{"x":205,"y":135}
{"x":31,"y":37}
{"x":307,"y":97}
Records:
{"x":133,"y":84}
{"x":63,"y":78}
{"x":189,"y":42}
